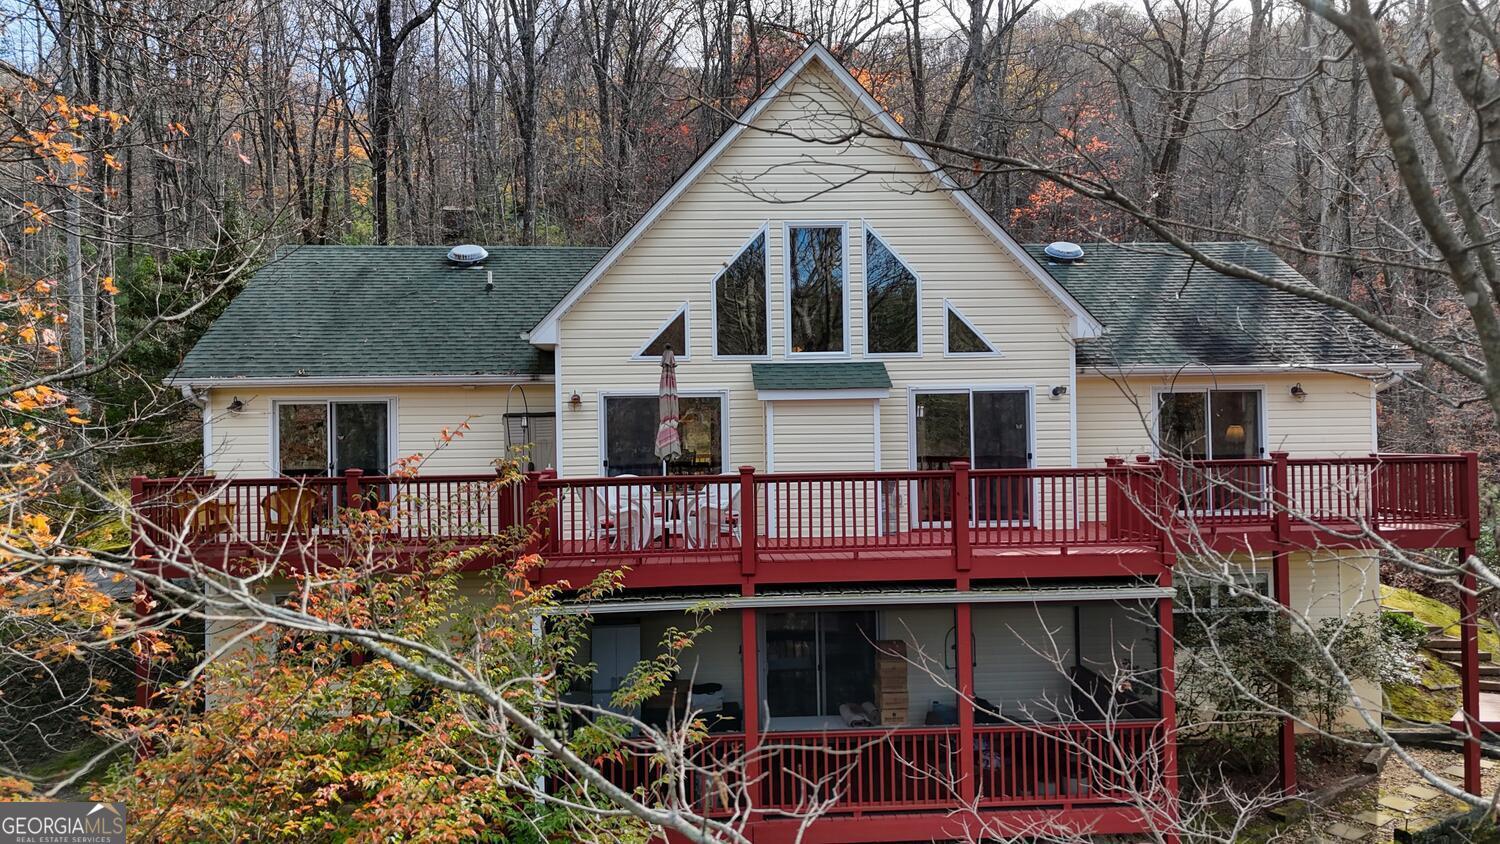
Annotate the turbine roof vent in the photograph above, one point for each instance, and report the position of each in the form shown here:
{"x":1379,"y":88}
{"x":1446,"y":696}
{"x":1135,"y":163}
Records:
{"x":1064,"y":252}
{"x":467,"y":254}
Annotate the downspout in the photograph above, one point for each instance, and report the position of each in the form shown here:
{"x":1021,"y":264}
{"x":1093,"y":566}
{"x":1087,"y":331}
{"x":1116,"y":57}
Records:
{"x":201,"y":401}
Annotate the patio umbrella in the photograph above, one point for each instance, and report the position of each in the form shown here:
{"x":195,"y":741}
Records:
{"x":668,"y":430}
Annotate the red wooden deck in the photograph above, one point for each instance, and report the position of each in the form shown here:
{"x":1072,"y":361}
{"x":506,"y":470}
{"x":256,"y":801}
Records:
{"x":1124,"y":518}
{"x":749,"y":529}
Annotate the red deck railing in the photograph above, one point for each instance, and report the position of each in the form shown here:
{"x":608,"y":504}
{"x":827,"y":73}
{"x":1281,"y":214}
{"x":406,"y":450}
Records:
{"x":909,"y":769}
{"x":749,"y":515}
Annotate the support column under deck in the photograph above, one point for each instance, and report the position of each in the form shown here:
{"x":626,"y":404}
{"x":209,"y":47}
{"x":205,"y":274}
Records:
{"x":750,"y":680}
{"x":1167,"y":654}
{"x":1281,"y":576}
{"x":964,"y":656}
{"x":1468,"y":602}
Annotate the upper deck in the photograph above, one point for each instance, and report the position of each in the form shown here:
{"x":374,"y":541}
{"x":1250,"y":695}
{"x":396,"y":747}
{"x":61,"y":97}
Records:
{"x":1125,"y":518}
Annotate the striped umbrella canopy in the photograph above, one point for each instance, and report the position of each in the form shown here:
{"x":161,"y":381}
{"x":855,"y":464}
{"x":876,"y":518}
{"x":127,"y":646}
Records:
{"x":669,"y":429}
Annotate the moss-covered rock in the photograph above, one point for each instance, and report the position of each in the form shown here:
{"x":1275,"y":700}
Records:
{"x":1475,"y":827}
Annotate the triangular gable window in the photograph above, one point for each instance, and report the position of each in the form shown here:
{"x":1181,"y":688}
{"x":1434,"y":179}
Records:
{"x":740,"y":322}
{"x":962,"y":337}
{"x":674,"y":333}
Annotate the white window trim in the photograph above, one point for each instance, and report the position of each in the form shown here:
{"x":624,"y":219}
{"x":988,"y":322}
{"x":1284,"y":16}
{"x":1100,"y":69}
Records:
{"x":869,"y":231}
{"x":713,"y":295}
{"x":1158,"y":392}
{"x":831,"y":394}
{"x":786,"y":275}
{"x":686,"y":312}
{"x":949,"y":307}
{"x":722,"y":394}
{"x":274,"y":423}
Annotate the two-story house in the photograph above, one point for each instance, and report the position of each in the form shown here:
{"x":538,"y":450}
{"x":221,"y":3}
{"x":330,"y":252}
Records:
{"x":922,"y":464}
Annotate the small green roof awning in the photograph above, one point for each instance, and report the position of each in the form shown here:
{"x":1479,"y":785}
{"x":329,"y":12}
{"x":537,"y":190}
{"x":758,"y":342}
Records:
{"x":867,"y":379}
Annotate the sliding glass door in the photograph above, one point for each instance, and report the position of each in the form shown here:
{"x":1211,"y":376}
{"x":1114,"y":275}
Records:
{"x":330,"y":438}
{"x":989,"y":428}
{"x":816,"y":661}
{"x":319,"y":439}
{"x":1219,"y":425}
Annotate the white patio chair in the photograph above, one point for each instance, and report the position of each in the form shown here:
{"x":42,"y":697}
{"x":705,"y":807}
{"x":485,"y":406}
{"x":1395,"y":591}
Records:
{"x":600,"y":523}
{"x":713,"y":516}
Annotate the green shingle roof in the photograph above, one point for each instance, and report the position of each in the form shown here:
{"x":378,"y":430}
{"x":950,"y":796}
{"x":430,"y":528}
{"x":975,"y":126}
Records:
{"x":820,"y":375}
{"x":1161,"y":308}
{"x":358,"y":311}
{"x":404,"y":311}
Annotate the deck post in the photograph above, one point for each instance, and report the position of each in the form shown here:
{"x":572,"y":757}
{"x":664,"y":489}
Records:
{"x":748,"y":522}
{"x":552,"y":518}
{"x":525,"y":513}
{"x":1468,"y":602}
{"x":1281,"y":499}
{"x":963,"y":555}
{"x":750,"y":682}
{"x":1167,"y":654}
{"x":1166,"y":504}
{"x":1281,"y":576}
{"x":353,"y":498}
{"x":968,"y":787}
{"x":1473,"y":514}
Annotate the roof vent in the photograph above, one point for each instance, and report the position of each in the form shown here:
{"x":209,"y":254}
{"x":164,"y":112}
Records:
{"x":467,"y":254}
{"x":1064,"y":252}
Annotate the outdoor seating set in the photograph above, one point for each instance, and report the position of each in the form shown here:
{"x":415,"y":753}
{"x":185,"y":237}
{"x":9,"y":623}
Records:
{"x":282,"y":511}
{"x":633,"y":517}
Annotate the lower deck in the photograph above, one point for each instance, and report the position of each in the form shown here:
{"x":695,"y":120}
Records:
{"x":1050,"y":712}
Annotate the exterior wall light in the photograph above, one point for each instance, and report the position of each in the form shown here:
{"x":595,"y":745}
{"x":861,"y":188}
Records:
{"x":1297,"y":392}
{"x":574,"y":400}
{"x":1059,"y":391}
{"x":237,"y":405}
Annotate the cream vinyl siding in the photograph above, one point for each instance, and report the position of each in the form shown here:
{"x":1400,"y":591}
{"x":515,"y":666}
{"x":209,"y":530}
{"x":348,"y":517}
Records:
{"x":930,"y":675}
{"x":1115,"y":415}
{"x":824,"y":436}
{"x":773,"y":180}
{"x":241,"y":443}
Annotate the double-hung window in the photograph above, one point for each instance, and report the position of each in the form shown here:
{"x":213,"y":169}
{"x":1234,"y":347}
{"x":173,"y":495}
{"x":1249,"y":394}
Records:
{"x":817,"y":294}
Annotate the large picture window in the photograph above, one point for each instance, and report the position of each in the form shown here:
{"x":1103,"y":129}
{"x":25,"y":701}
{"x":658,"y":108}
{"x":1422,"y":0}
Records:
{"x":630,"y":424}
{"x":815,"y":289}
{"x":740,"y":304}
{"x":891,"y":301}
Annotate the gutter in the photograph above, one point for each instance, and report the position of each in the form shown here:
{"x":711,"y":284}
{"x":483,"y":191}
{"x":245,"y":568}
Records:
{"x":1365,"y":370}
{"x":358,"y":381}
{"x":191,"y":394}
{"x":873,"y":599}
